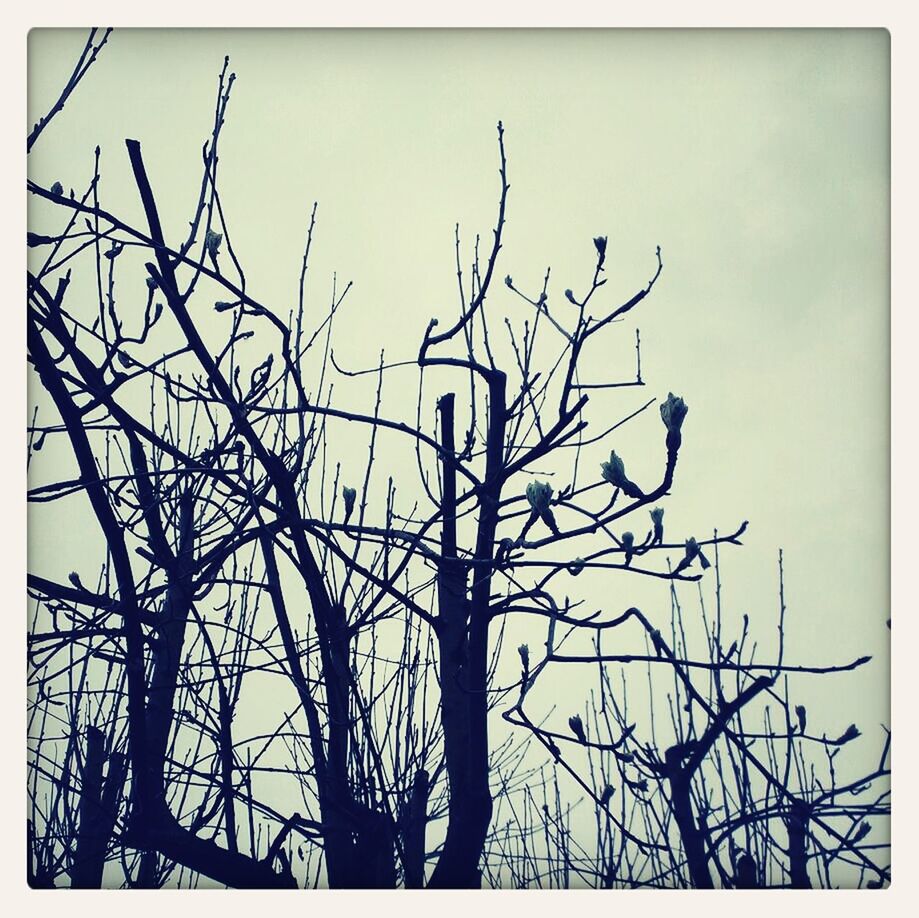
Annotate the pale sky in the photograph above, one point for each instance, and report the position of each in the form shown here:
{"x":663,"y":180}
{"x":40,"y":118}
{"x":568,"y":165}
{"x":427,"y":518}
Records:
{"x":758,"y":161}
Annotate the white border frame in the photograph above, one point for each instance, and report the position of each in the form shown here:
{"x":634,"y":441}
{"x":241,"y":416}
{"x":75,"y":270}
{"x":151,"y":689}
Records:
{"x":895,"y":16}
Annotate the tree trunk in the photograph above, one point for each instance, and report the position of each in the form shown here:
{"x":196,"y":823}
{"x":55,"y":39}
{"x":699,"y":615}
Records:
{"x":98,"y":811}
{"x":167,"y":654}
{"x":690,"y":834}
{"x":414,"y":824}
{"x":464,"y":653}
{"x":339,"y":815}
{"x":796,"y":823}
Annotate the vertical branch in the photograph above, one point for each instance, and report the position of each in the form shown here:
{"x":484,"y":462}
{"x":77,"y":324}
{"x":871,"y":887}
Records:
{"x":89,"y":857}
{"x":796,"y":823}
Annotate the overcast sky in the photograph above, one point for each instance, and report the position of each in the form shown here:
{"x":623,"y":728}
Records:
{"x":758,"y":161}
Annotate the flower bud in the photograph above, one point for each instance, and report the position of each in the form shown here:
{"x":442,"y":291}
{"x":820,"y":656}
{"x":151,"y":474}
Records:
{"x":693,"y":551}
{"x":349,"y":495}
{"x":539,"y":493}
{"x":212,"y":242}
{"x":673,"y":411}
{"x":577,"y":727}
{"x":57,"y":188}
{"x":569,"y":295}
{"x":628,"y":545}
{"x":614,"y":472}
{"x":852,"y":732}
{"x":576,"y":566}
{"x":524,"y":652}
{"x":509,"y":281}
{"x":600,"y":246}
{"x":657,"y":520}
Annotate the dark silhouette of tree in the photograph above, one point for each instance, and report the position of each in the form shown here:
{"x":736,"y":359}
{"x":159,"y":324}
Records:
{"x":275,"y":677}
{"x":723,"y":773}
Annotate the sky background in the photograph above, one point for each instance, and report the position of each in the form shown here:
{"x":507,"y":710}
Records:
{"x":758,"y":161}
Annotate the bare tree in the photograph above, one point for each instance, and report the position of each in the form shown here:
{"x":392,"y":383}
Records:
{"x":723,"y":783}
{"x":273,"y":676}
